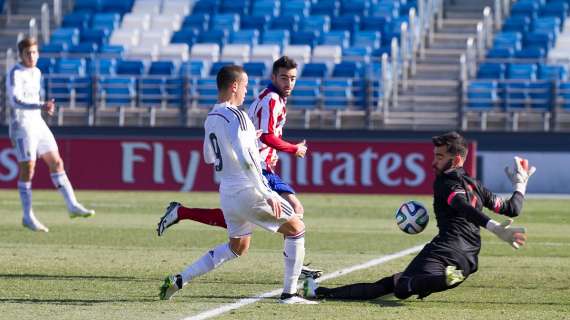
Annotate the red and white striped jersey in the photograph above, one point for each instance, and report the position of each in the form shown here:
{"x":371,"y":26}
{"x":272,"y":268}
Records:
{"x":268,"y":114}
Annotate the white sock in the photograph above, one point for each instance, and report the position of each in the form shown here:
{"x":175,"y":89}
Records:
{"x":209,"y":261}
{"x":25,"y":191}
{"x":61,"y":183}
{"x":294,"y":255}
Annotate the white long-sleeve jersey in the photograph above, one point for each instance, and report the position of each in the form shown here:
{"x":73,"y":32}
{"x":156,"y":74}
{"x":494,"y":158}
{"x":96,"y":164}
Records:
{"x":24,"y":91}
{"x":230,"y":144}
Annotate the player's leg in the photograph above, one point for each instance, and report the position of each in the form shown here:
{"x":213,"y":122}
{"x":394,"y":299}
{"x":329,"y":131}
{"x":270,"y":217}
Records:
{"x":176,"y":212}
{"x":355,"y":291}
{"x":432,"y":270}
{"x":26,"y":149}
{"x":294,"y":202}
{"x":63,"y":185}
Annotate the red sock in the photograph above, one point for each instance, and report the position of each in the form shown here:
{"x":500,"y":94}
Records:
{"x":213,"y":217}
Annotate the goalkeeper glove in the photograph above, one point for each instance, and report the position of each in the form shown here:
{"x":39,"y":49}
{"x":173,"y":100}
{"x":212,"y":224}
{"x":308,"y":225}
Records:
{"x":519,"y":174}
{"x":515,"y":236}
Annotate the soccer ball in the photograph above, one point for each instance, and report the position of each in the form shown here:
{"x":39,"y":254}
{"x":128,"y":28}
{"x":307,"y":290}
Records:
{"x":412,"y":217}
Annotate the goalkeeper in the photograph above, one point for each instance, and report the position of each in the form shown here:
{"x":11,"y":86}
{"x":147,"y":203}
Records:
{"x":451,"y":257}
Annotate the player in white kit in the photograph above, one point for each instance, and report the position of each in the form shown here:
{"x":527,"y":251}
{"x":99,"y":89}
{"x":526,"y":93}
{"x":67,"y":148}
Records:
{"x":230,"y":145}
{"x":31,"y":136}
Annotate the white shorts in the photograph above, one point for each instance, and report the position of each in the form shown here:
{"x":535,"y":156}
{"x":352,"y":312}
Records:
{"x":32,"y":141}
{"x":247,"y":208}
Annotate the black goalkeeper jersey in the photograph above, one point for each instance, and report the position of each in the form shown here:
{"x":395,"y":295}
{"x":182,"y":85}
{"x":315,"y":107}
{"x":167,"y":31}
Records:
{"x":458,"y":204}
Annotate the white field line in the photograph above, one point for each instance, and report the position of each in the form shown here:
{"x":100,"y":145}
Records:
{"x":244,"y":302}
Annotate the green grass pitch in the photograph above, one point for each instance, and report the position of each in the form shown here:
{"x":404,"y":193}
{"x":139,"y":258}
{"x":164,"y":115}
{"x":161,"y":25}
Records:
{"x":110,"y":266}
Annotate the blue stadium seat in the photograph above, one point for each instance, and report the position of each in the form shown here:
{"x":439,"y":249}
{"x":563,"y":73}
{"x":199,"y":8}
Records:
{"x":557,"y":9}
{"x":199,"y":21}
{"x":519,"y":24}
{"x":305,"y":37}
{"x":83,"y":87}
{"x":165,"y":68}
{"x":205,"y":92}
{"x":540,"y":93}
{"x":290,"y":23}
{"x":374,"y":23}
{"x":102,"y":66}
{"x":386,"y":9}
{"x":280,"y":37}
{"x":515,"y":95}
{"x":84,"y":48}
{"x":521,"y":71}
{"x":70,"y":66}
{"x":216,"y":66}
{"x":106,"y":21}
{"x":240,"y":7}
{"x":205,"y":6}
{"x":525,"y":8}
{"x":371,"y":39}
{"x":357,"y":7}
{"x":117,"y":6}
{"x":152,"y":91}
{"x":482,"y":95}
{"x":393,"y":29}
{"x":326,"y":7}
{"x":547,"y":25}
{"x":185,"y":35}
{"x":509,"y":40}
{"x":346,"y":22}
{"x":538,"y":39}
{"x":45,"y":65}
{"x":192,"y":68}
{"x":299,"y":8}
{"x":130,"y":67}
{"x":250,"y":37}
{"x":255,"y":22}
{"x":306,"y":94}
{"x":336,"y":38}
{"x":530,"y":53}
{"x":564,"y":93}
{"x":175,"y":91}
{"x":491,"y":71}
{"x":265,"y":8}
{"x":347,"y":69}
{"x":552,"y":72}
{"x":79,"y":20}
{"x":318,"y":23}
{"x":97,"y":36}
{"x":337,"y":93}
{"x":118,"y":91}
{"x":87,"y":5}
{"x":226,"y":21}
{"x":68,"y":36}
{"x":315,"y":70}
{"x":59,"y":88}
{"x":112,"y":50}
{"x":54,"y":47}
{"x":356,"y":53}
{"x":500,"y":53}
{"x":219,"y":37}
{"x":255,"y":69}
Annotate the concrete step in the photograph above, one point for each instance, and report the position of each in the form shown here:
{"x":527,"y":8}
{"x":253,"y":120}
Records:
{"x":450,"y":22}
{"x":443,"y":35}
{"x":463,"y":14}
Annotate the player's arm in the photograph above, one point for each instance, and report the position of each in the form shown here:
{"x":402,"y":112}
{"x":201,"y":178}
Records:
{"x":510,"y":208}
{"x":268,"y":124}
{"x":279,"y":144}
{"x":207,"y":151}
{"x":457,"y":199}
{"x":16,"y":93}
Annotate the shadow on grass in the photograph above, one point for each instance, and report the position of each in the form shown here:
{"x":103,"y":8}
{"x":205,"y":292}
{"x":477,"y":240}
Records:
{"x":71,"y":277}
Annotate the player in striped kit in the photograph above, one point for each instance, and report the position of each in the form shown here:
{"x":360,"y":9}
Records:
{"x":230,"y":145}
{"x":31,"y":136}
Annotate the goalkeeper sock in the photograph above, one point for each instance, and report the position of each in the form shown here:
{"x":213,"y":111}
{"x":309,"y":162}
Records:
{"x":294,"y":254}
{"x":358,"y":291}
{"x":25,"y":191}
{"x":61,"y":183}
{"x":209,"y":261}
{"x":212,"y":217}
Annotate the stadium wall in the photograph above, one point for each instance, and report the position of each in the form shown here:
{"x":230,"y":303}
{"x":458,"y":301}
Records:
{"x":395,"y":162}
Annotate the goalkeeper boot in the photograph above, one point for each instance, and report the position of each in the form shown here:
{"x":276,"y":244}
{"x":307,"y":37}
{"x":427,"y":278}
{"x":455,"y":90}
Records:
{"x":34,"y":224}
{"x":307,"y":272}
{"x":79,"y":211}
{"x":169,"y":218}
{"x":293,"y":298}
{"x":171,"y":285}
{"x":309,"y":288}
{"x":453,"y":276}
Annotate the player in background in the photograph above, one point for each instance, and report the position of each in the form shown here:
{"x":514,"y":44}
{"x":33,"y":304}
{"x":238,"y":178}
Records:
{"x":268,"y":113}
{"x":31,"y":136}
{"x":230,"y":145}
{"x":452,"y":255}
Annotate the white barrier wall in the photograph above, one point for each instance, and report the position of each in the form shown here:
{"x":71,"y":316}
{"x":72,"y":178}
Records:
{"x":552,"y":175}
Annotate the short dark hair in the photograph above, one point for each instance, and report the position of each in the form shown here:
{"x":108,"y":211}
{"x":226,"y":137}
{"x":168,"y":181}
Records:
{"x":228,"y":75}
{"x":26,"y":43}
{"x":456,"y":144}
{"x":284,"y":62}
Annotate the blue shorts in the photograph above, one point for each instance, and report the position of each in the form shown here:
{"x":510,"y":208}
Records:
{"x":276,"y":184}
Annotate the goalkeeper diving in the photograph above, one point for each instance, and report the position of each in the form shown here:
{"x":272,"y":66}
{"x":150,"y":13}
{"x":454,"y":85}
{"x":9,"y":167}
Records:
{"x":452,"y":255}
